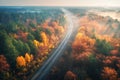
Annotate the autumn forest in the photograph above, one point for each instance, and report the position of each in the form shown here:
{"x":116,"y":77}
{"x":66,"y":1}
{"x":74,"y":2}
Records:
{"x":30,"y":35}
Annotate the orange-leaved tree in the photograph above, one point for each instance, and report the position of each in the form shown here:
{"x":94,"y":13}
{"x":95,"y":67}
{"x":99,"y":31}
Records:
{"x":4,"y":66}
{"x":21,"y":61}
{"x":109,"y":73}
{"x":82,"y":43}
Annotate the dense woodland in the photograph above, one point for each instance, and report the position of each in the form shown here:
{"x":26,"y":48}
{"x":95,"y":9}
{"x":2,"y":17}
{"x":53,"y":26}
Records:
{"x":93,"y":53}
{"x":27,"y":36}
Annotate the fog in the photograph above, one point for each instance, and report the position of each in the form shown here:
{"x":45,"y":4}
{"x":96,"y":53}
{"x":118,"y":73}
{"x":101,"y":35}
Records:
{"x":111,"y":13}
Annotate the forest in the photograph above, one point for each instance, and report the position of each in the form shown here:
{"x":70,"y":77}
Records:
{"x":27,"y":37}
{"x":93,"y":53}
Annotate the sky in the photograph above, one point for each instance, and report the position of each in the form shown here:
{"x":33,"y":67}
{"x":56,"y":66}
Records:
{"x":103,"y":3}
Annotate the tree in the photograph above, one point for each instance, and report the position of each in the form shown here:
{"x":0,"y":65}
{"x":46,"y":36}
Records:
{"x":7,"y":48}
{"x":26,"y":48}
{"x":21,"y":61}
{"x":4,"y":66}
{"x":11,"y":27}
{"x":27,"y":57}
{"x":70,"y":76}
{"x":33,"y":49}
{"x":103,"y":46}
{"x":60,"y":29}
{"x":44,"y":38}
{"x":37,"y":35}
{"x":32,"y":25}
{"x":82,"y":43}
{"x":62,"y":21}
{"x":36,"y":43}
{"x":48,"y":31}
{"x":30,"y":37}
{"x":109,"y":73}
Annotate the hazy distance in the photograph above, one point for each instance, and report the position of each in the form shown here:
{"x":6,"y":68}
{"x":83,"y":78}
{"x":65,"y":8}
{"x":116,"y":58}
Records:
{"x":101,"y":3}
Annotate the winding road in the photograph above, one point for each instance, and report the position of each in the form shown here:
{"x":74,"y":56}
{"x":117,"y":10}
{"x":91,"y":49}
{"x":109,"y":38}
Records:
{"x":40,"y":74}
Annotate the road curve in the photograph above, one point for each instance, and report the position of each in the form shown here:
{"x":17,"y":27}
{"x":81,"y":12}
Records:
{"x":40,"y":74}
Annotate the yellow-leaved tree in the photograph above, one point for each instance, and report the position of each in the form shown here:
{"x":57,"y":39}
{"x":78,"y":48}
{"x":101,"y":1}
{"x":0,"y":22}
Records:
{"x":27,"y":57}
{"x":44,"y":38}
{"x":60,"y":29}
{"x":36,"y":43}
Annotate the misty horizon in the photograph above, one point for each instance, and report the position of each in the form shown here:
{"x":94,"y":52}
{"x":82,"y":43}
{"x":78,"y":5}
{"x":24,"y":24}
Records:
{"x":77,"y":3}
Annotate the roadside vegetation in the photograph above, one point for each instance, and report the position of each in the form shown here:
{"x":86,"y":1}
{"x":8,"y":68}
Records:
{"x":93,"y":53}
{"x":26,"y":40}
